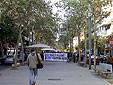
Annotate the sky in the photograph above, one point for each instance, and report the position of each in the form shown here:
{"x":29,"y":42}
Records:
{"x":55,"y":9}
{"x":52,"y":3}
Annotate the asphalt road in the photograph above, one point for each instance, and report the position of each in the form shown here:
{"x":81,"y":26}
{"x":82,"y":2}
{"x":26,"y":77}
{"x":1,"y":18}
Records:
{"x":53,"y":73}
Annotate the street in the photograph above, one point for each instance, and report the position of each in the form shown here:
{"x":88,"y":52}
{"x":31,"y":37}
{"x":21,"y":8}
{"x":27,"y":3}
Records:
{"x":60,"y":31}
{"x":53,"y":73}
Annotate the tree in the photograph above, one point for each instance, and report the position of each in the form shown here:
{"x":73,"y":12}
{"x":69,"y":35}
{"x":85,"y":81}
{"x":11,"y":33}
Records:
{"x":8,"y":27}
{"x":75,"y":10}
{"x":75,"y":13}
{"x":97,"y":14}
{"x":64,"y":39}
{"x":30,"y":15}
{"x":40,"y":18}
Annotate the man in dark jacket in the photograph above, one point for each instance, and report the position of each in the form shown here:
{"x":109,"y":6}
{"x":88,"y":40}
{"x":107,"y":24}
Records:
{"x":69,"y":57}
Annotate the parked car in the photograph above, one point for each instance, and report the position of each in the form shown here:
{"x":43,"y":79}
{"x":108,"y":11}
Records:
{"x":9,"y":59}
{"x":92,"y":60}
{"x":2,"y":59}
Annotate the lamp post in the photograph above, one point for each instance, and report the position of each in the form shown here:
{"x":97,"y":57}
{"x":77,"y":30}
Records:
{"x":32,"y":35}
{"x":89,"y":31}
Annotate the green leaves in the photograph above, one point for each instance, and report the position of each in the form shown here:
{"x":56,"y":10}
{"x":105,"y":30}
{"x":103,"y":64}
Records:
{"x":8,"y":30}
{"x":23,"y":15}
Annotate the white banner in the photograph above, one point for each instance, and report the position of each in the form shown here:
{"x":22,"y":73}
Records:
{"x":55,"y":56}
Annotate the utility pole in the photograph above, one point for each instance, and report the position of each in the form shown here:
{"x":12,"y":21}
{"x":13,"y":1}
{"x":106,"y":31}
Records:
{"x":32,"y":31}
{"x":89,"y":31}
{"x":32,"y":35}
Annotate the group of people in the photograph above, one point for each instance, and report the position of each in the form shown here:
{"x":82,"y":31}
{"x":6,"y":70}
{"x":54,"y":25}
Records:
{"x":72,"y":57}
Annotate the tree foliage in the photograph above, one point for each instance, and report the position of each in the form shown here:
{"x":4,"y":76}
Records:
{"x":28,"y":14}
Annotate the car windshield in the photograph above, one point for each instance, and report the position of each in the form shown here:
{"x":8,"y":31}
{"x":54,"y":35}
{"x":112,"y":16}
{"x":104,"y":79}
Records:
{"x":10,"y":56}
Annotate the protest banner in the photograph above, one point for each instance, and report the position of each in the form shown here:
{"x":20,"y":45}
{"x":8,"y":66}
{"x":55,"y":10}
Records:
{"x":55,"y":56}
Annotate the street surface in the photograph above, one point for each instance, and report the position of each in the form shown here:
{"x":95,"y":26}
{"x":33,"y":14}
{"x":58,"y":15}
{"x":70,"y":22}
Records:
{"x":53,"y":73}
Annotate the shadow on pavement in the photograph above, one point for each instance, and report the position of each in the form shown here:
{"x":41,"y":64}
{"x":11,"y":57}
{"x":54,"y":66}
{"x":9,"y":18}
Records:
{"x":4,"y":67}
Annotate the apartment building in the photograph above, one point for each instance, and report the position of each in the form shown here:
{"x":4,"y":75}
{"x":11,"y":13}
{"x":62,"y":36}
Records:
{"x":106,"y":28}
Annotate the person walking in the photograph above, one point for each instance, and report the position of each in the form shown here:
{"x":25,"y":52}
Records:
{"x":32,"y":62}
{"x":74,"y":57}
{"x":77,"y":57}
{"x":69,"y":57}
{"x":42,"y":55}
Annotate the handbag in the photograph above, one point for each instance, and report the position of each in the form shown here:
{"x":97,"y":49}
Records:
{"x":39,"y":65}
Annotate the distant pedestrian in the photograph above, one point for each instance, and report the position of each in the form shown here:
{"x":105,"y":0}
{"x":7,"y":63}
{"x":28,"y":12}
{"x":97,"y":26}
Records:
{"x":77,"y":57}
{"x":32,"y":62}
{"x":69,"y":57}
{"x":42,"y":55}
{"x":74,"y":57}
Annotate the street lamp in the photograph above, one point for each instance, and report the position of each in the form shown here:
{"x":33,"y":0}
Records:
{"x":32,"y":35}
{"x":89,"y":31}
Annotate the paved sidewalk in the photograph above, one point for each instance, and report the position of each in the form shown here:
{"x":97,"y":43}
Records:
{"x":53,"y":73}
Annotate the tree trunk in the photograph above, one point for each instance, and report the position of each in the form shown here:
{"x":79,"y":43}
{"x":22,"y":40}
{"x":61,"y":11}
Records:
{"x":22,"y":50}
{"x":94,"y":40}
{"x":85,"y":65}
{"x":36,"y":38}
{"x":71,"y":45}
{"x":2,"y":48}
{"x":17,"y":46}
{"x":79,"y":46}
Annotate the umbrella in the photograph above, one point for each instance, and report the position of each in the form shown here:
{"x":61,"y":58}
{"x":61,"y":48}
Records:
{"x":48,"y":49}
{"x":38,"y":45}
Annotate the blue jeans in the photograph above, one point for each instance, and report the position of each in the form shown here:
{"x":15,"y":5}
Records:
{"x":32,"y":75}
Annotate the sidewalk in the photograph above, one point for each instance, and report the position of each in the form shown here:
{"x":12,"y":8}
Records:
{"x":53,"y":73}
